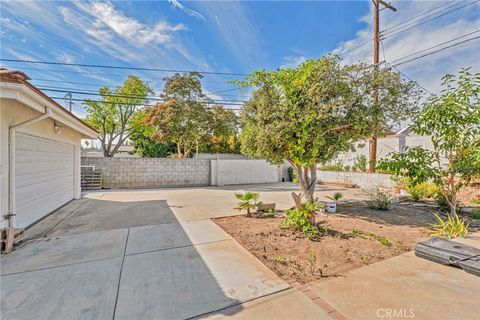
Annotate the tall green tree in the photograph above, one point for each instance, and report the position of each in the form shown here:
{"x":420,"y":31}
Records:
{"x":396,"y":100}
{"x":223,"y":136}
{"x":115,"y":114}
{"x":185,"y":119}
{"x":306,"y":116}
{"x":144,"y":145}
{"x":452,"y":120}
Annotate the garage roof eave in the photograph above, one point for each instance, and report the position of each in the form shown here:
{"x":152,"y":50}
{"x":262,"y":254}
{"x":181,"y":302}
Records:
{"x":30,"y":96}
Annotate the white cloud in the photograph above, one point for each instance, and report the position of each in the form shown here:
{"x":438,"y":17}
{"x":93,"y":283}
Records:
{"x":65,"y":58}
{"x":429,"y":70}
{"x":188,"y":11}
{"x":236,"y":28}
{"x":108,"y":18}
{"x":292,"y":61}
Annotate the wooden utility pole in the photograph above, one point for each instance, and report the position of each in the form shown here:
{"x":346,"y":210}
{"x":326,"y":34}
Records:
{"x":376,"y":58}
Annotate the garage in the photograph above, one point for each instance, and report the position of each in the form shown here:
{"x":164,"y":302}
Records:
{"x":44,"y":177}
{"x":39,"y":152}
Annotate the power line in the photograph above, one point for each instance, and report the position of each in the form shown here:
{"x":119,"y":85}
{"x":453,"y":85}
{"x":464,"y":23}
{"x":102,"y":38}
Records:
{"x":143,"y":105}
{"x":127,"y":96}
{"x":430,"y":53}
{"x":422,"y":14}
{"x":388,"y":35}
{"x":120,"y":67}
{"x":437,"y":45}
{"x":415,"y":82}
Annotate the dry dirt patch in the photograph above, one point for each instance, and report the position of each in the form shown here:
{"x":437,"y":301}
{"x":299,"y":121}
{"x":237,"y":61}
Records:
{"x":351,"y":238}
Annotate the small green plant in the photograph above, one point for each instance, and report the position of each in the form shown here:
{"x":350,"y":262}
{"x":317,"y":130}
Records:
{"x":378,"y":199}
{"x":365,"y":259}
{"x":451,"y":227}
{"x":332,"y":167}
{"x":421,"y":191}
{"x":312,"y":262}
{"x":361,"y":163}
{"x":370,"y":236}
{"x":476,"y":214}
{"x":248,"y":200}
{"x":336,"y":197}
{"x":280,"y":260}
{"x":302,"y":219}
{"x":271,"y":213}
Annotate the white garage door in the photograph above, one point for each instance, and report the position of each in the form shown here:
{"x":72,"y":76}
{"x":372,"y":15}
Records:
{"x":44,"y":177}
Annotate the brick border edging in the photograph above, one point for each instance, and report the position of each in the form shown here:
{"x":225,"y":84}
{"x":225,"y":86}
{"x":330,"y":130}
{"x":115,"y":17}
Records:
{"x":324,"y":305}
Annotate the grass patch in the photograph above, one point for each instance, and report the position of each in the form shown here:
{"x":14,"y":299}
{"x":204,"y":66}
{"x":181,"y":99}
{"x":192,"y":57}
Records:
{"x":370,"y":236}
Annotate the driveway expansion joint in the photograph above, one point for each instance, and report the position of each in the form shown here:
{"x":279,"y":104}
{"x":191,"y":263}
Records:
{"x":120,"y":274}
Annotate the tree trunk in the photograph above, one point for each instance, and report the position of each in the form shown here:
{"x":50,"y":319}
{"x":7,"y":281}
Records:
{"x":373,"y":154}
{"x":179,"y":150}
{"x":307,"y":177}
{"x":454,"y":196}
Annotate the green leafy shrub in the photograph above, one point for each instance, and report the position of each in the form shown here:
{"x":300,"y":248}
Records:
{"x":302,"y":219}
{"x":248,"y":200}
{"x":336,"y":197}
{"x":476,"y":214}
{"x":421,"y":191}
{"x":452,"y":227}
{"x":332,"y":167}
{"x":378,"y":199}
{"x":361,"y":163}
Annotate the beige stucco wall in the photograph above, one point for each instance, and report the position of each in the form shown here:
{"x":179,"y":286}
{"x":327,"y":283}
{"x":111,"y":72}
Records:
{"x":13,"y":112}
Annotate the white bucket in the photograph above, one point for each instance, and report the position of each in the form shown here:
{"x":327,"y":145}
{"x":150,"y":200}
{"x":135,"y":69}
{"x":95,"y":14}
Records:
{"x":331,"y":207}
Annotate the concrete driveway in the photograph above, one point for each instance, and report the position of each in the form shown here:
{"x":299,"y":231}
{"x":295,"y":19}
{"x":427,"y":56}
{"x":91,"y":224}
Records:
{"x":141,"y":254}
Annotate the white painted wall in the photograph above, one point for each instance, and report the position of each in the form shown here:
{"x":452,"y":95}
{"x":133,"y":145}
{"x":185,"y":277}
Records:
{"x":13,"y":112}
{"x":385,"y":146}
{"x":243,"y":171}
{"x":360,"y":179}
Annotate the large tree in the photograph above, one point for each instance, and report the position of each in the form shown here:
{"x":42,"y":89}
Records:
{"x":223,"y":136}
{"x":452,"y":120}
{"x":185,"y":119}
{"x":306,"y":116}
{"x":390,"y":98}
{"x":114,"y":115}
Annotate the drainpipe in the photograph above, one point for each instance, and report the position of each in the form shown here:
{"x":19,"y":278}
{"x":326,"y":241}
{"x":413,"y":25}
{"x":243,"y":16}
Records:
{"x":11,"y":164}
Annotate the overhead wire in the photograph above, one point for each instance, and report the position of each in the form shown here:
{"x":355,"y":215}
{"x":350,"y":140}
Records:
{"x":387,"y":35}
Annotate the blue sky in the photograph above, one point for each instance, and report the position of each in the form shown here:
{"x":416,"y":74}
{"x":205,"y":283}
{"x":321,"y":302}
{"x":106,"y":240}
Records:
{"x":221,"y":36}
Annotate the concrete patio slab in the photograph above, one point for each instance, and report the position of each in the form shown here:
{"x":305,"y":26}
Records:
{"x":172,"y":235}
{"x":103,"y":214}
{"x":407,"y":285}
{"x":65,"y":250}
{"x":287,"y":305}
{"x":185,"y":282}
{"x":81,"y":291}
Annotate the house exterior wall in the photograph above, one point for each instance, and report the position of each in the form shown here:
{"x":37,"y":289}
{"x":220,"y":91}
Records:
{"x":385,"y":146}
{"x":13,"y":112}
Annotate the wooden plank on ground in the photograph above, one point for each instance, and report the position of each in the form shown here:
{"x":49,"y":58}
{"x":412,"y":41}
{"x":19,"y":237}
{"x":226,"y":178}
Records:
{"x":450,"y":253}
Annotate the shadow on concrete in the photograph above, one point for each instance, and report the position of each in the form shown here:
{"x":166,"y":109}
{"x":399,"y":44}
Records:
{"x":72,"y":273}
{"x":276,"y":187}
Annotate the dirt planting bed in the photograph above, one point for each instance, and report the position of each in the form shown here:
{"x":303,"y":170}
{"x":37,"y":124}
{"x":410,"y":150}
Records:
{"x":353,"y":237}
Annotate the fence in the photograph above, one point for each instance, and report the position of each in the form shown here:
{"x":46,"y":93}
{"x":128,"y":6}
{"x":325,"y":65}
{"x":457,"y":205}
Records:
{"x":119,"y":173}
{"x":360,"y":179}
{"x":151,"y":172}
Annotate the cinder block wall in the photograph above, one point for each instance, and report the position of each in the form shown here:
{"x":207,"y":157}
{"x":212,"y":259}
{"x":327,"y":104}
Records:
{"x":124,"y":173}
